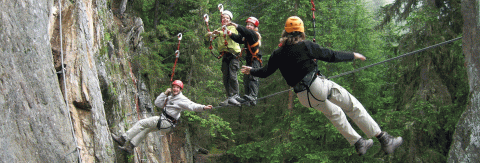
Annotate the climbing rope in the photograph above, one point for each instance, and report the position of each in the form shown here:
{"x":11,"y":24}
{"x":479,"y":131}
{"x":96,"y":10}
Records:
{"x":77,"y":148}
{"x":313,"y":19}
{"x":177,"y":54}
{"x":359,"y":69}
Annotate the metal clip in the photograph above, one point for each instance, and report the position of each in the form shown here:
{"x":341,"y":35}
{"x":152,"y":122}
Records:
{"x":180,"y":36}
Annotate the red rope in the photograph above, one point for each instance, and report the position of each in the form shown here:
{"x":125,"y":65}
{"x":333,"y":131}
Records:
{"x":177,"y":54}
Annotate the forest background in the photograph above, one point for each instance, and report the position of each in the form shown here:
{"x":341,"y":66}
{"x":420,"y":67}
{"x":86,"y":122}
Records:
{"x":419,"y":97}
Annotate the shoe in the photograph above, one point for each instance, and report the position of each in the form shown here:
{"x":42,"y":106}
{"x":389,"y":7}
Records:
{"x":389,"y":143}
{"x":128,"y":147}
{"x":119,"y":139}
{"x":202,"y":151}
{"x":252,"y":100}
{"x":243,"y":101}
{"x":232,"y":100}
{"x":363,"y":145}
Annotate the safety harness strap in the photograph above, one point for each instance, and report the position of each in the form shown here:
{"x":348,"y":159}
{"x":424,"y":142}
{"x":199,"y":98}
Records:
{"x":254,"y":54}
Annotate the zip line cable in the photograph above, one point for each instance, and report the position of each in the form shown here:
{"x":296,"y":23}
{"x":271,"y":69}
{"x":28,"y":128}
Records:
{"x":65,"y":87}
{"x":359,"y":69}
{"x":394,"y":58}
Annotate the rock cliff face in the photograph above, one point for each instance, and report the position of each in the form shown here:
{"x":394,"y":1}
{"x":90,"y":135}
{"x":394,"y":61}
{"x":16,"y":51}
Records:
{"x":45,"y":118}
{"x":34,"y":121}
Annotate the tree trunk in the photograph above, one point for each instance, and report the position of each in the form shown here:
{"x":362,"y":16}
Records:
{"x":123,"y":7}
{"x":157,"y":10}
{"x":466,"y":137}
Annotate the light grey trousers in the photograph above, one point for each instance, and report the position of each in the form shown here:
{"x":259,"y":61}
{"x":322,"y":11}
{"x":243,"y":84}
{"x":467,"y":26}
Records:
{"x":334,"y":101}
{"x":139,"y":130}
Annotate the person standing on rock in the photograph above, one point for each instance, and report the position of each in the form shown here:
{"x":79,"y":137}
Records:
{"x":173,"y":103}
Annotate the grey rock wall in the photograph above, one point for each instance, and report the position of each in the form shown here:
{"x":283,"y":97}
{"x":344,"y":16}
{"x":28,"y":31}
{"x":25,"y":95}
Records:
{"x":33,"y":117}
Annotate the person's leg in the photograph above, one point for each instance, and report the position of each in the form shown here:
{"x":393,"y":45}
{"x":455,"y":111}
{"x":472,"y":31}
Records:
{"x":319,"y":90}
{"x":225,"y":75}
{"x":233,"y":67}
{"x":354,"y":109}
{"x":253,"y":85}
{"x":137,"y":133}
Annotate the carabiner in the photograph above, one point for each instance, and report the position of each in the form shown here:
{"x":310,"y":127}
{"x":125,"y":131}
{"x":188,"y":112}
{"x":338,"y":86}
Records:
{"x":221,"y":9}
{"x":180,"y":36}
{"x":177,"y":53}
{"x":206,"y":17}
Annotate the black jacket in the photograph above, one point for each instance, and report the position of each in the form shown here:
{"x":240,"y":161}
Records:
{"x":295,"y":61}
{"x":251,"y":38}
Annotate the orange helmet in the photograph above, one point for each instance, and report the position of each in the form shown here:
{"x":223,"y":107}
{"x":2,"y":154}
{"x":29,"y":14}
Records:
{"x":178,"y":83}
{"x":253,"y":20}
{"x":294,"y":23}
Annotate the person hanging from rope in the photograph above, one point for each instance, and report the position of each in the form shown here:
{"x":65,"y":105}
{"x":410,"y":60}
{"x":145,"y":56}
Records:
{"x":173,"y":103}
{"x":229,"y":50}
{"x":294,"y":59}
{"x":251,"y":38}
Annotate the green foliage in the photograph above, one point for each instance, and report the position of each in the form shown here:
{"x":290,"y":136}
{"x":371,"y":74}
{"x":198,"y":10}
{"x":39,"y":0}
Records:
{"x":216,"y":125}
{"x":269,"y":132}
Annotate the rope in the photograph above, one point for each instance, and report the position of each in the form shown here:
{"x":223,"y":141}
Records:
{"x":313,"y":19}
{"x":359,"y":69}
{"x":65,"y":85}
{"x":394,"y":58}
{"x":177,"y":54}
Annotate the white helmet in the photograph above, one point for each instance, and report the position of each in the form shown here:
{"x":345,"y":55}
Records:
{"x":228,"y":13}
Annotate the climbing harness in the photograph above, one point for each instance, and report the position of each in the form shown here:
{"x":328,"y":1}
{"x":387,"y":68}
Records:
{"x":313,"y":19}
{"x":254,"y":54}
{"x":169,"y":118}
{"x":177,"y":54}
{"x":356,"y":70}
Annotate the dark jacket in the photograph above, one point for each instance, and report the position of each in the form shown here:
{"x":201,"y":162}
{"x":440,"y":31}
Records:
{"x":245,"y":36}
{"x":295,"y":61}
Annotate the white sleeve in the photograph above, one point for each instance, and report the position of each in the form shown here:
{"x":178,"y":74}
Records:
{"x":160,"y":101}
{"x":186,"y":104}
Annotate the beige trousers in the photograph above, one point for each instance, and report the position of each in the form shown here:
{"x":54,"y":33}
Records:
{"x":334,"y":101}
{"x":139,"y":131}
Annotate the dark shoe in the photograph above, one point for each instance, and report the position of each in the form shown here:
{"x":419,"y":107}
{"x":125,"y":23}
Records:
{"x":389,"y":143}
{"x":363,"y":145}
{"x":202,"y":150}
{"x":128,"y":147}
{"x":251,"y":100}
{"x":232,"y":100}
{"x":242,"y":101}
{"x":119,"y":139}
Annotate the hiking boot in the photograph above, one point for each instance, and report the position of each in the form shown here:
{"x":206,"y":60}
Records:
{"x":128,"y":147}
{"x":389,"y":143}
{"x":232,"y":100}
{"x":251,"y":100}
{"x":243,"y":101}
{"x":119,"y":139}
{"x":363,"y":145}
{"x":202,"y":150}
